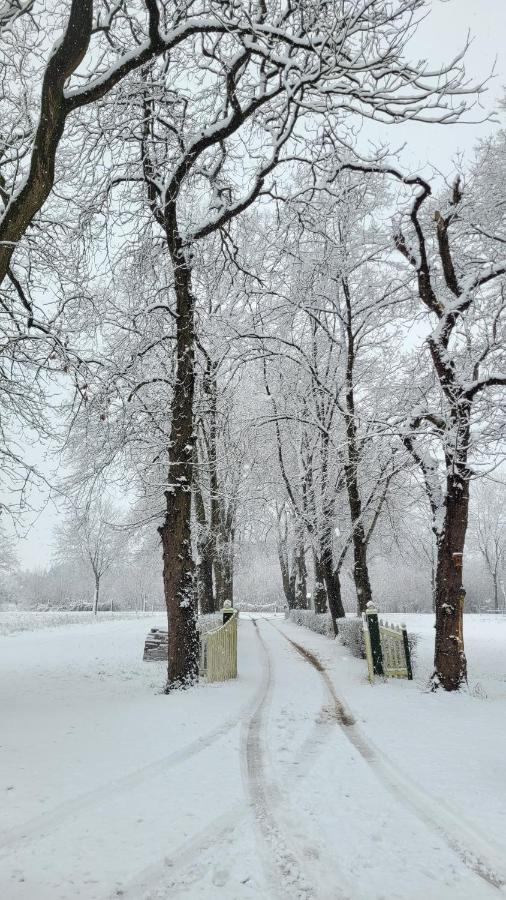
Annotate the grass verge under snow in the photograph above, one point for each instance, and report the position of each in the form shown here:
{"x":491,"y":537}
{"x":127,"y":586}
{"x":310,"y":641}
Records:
{"x":14,"y":621}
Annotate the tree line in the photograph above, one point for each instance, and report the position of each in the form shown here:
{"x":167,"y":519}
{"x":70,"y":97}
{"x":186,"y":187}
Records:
{"x":228,"y":312}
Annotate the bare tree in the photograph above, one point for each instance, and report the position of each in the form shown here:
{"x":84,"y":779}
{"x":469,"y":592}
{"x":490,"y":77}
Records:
{"x":455,"y":283}
{"x":95,"y":46}
{"x":224,"y":98}
{"x":326,"y":357}
{"x":8,"y":558}
{"x":488,"y":532}
{"x":90,"y":535}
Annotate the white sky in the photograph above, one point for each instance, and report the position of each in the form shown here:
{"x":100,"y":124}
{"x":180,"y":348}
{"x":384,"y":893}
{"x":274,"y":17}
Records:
{"x":441,"y":36}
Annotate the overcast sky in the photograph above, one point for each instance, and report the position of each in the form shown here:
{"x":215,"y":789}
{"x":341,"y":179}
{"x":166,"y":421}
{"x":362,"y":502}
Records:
{"x":441,"y":36}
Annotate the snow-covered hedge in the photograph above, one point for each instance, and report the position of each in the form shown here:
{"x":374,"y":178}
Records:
{"x":351,"y":634}
{"x":350,"y":630}
{"x":319,"y":622}
{"x":209,"y":622}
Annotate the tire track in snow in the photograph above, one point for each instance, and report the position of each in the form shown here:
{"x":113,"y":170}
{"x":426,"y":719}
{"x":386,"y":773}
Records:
{"x":41,"y":826}
{"x":143,"y":886}
{"x":292,"y":880}
{"x":167,"y":876}
{"x":471,"y":848}
{"x":34,"y":828}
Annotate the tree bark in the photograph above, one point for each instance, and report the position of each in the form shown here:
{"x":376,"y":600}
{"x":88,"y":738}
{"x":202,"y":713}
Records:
{"x":333,"y":585}
{"x":96,"y":594}
{"x":496,"y":592}
{"x":205,"y":547}
{"x":222,"y":528}
{"x":178,"y":568}
{"x":360,"y":569}
{"x":450,"y":666}
{"x":224,"y":563}
{"x":320,"y":593}
{"x":207,"y":602}
{"x":288,"y":587}
{"x":300,"y":576}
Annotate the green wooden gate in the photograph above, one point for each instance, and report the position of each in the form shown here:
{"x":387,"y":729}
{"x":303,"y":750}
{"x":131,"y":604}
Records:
{"x":386,"y":647}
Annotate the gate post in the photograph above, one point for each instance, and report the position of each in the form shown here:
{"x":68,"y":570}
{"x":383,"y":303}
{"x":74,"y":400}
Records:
{"x":374,"y":632}
{"x":407,"y":653}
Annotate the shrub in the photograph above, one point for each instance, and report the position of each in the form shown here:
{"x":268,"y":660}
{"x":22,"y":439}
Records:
{"x":351,"y":634}
{"x":319,"y":622}
{"x":209,"y":622}
{"x":350,"y":630}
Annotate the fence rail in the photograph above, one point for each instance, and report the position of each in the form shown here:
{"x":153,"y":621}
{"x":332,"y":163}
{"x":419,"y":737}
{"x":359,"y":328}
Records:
{"x":218,"y":652}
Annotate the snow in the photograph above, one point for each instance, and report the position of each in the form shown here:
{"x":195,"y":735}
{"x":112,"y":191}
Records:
{"x":251,"y":789}
{"x":12,"y":621}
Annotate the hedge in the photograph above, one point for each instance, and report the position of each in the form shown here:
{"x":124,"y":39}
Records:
{"x":319,"y":622}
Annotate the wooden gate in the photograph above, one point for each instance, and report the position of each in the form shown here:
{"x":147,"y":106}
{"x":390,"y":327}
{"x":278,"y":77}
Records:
{"x":218,"y":652}
{"x":386,"y":647}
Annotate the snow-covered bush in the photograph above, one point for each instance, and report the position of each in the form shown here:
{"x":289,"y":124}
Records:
{"x":352,"y":636}
{"x":209,"y":622}
{"x":319,"y":622}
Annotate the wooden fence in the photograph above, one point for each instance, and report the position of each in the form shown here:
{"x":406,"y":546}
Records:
{"x":218,"y":652}
{"x":386,"y":647}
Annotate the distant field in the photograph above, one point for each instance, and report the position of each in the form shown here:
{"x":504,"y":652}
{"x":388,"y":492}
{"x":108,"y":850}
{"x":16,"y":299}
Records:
{"x":13,"y":621}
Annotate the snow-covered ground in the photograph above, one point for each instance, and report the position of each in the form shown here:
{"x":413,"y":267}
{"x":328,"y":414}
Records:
{"x":13,"y":620}
{"x":297,"y":780}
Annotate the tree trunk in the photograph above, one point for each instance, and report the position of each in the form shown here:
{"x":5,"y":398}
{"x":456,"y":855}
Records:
{"x":450,"y":666}
{"x":96,"y":594}
{"x":221,"y":522}
{"x":229,"y":568}
{"x":183,"y":642}
{"x":330,"y":574}
{"x":205,"y":548}
{"x":360,"y":569}
{"x":287,"y":576}
{"x":333,"y":586}
{"x":496,"y":591}
{"x":207,"y":603}
{"x":284,"y":565}
{"x":300,"y":572}
{"x":320,"y":593}
{"x":503,"y":592}
{"x":224,"y":566}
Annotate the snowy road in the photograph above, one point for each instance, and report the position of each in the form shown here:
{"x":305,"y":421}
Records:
{"x":266,"y":787}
